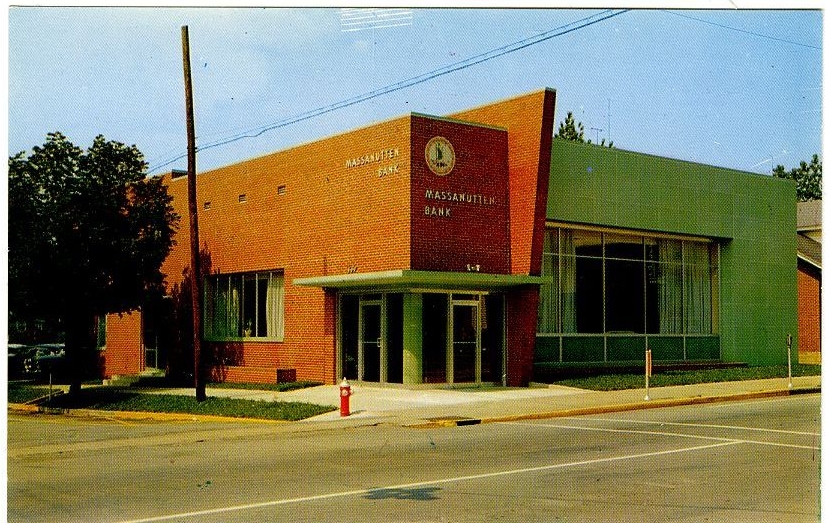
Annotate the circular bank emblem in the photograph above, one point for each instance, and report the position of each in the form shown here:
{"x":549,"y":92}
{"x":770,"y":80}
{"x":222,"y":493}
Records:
{"x":440,"y":156}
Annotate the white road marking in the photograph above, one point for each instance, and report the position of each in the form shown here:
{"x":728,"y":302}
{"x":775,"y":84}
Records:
{"x":733,"y":404}
{"x":660,"y":433}
{"x":705,"y":425}
{"x":457,"y":479}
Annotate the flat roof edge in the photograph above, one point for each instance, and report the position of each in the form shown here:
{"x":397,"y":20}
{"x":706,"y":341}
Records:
{"x":416,"y":278}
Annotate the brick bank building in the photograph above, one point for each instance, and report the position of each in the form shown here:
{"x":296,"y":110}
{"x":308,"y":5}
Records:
{"x":475,"y":248}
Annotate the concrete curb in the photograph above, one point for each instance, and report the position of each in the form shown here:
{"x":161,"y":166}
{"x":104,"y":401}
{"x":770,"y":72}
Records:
{"x":121,"y":415}
{"x":619,"y":407}
{"x":442,"y":422}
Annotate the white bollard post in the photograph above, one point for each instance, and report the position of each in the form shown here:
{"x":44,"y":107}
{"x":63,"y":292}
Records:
{"x":648,"y":372}
{"x":789,"y":351}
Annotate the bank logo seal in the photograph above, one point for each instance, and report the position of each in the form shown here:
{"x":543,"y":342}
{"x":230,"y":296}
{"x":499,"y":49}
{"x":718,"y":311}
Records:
{"x":440,"y":156}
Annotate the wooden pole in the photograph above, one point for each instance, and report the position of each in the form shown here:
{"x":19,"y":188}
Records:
{"x":195,"y":258}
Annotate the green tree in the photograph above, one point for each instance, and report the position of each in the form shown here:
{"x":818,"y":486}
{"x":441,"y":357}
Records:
{"x":808,"y":178}
{"x":571,"y":130}
{"x":88,"y":232}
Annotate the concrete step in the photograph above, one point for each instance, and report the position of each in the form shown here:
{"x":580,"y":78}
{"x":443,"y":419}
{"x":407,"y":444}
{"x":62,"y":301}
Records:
{"x":121,"y":381}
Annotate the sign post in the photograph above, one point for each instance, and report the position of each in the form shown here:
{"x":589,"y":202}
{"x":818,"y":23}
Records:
{"x":648,"y":372}
{"x":789,"y":351}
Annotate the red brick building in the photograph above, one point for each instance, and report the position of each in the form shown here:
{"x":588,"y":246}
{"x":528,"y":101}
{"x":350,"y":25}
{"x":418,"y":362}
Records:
{"x":809,"y":280}
{"x":473,"y":248}
{"x":405,"y":252}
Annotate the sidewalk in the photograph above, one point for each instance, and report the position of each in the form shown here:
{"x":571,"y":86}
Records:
{"x":470,"y":406}
{"x":372,"y":405}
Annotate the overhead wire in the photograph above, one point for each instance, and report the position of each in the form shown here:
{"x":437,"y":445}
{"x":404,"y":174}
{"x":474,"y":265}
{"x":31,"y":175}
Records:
{"x":737,"y":29}
{"x":424,"y":77}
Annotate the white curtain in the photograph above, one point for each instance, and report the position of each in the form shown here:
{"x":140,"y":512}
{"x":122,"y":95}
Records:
{"x":548,"y":310}
{"x":697,"y":288}
{"x":275,"y":306}
{"x":568,"y":282}
{"x":221,"y":326}
{"x":670,"y":286}
{"x":234,"y":307}
{"x":547,"y":321}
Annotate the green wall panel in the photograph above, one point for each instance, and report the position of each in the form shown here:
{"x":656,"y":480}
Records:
{"x":412,"y":338}
{"x":547,"y":349}
{"x":587,"y":349}
{"x":753,"y":217}
{"x":625,"y":348}
{"x":703,"y":348}
{"x":666,"y":348}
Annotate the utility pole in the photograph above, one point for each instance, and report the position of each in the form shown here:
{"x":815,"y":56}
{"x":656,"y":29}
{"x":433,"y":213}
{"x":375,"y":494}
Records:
{"x":195,"y":258}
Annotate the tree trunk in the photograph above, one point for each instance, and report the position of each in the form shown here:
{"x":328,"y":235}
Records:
{"x":80,"y":347}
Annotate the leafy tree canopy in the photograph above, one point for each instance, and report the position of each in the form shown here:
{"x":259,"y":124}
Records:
{"x":808,"y":178}
{"x":88,"y":232}
{"x":571,"y":130}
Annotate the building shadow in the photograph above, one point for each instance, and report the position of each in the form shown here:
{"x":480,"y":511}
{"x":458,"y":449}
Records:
{"x":413,"y":494}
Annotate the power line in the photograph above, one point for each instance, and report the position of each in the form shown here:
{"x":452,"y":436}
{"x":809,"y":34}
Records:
{"x":752,"y":33}
{"x":457,"y":66}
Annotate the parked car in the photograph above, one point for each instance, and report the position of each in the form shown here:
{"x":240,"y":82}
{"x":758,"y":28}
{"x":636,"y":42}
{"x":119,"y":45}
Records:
{"x":18,"y":354}
{"x":45,"y":358}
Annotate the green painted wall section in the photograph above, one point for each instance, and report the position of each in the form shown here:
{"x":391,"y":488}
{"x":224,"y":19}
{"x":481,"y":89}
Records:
{"x":753,"y":216}
{"x":412,"y":338}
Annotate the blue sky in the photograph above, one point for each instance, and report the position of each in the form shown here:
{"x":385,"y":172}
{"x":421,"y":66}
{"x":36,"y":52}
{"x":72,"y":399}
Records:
{"x":734,"y":88}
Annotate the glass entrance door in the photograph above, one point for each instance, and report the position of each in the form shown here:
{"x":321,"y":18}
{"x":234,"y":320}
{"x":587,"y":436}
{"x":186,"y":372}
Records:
{"x":466,"y":346}
{"x":371,"y":339}
{"x":492,"y":339}
{"x":158,"y":332}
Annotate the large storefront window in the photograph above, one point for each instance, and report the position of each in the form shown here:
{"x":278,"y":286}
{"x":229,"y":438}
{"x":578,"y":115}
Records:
{"x":627,"y":284}
{"x":250,"y":305}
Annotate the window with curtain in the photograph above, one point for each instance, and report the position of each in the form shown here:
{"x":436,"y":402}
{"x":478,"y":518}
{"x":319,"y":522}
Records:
{"x":665,"y":311}
{"x":548,"y":313}
{"x":697,"y":289}
{"x":248,"y":306}
{"x":602,"y":282}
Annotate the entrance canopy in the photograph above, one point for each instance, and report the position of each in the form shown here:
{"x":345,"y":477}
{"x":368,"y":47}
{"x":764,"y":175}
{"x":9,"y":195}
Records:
{"x":404,"y":279}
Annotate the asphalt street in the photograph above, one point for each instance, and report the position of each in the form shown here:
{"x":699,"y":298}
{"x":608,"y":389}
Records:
{"x":732,"y":462}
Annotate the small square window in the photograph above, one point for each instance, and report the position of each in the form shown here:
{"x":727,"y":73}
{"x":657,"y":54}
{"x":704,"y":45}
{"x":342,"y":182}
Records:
{"x":207,"y":206}
{"x":281,"y":190}
{"x":243,"y":198}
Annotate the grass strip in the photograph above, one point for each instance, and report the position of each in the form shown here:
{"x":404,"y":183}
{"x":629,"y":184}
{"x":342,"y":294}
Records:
{"x":275,"y":387}
{"x":160,"y":382}
{"x":123,"y":399}
{"x":607,"y":382}
{"x":24,"y":393}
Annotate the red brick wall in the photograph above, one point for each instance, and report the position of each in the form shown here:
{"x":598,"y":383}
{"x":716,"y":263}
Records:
{"x":333,"y":217}
{"x":808,"y":309}
{"x":453,"y":235}
{"x":522,"y":318}
{"x":124,"y":353}
{"x":346,"y":208}
{"x":529,"y":119}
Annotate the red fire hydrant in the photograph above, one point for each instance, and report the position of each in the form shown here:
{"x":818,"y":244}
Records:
{"x":345,"y":398}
